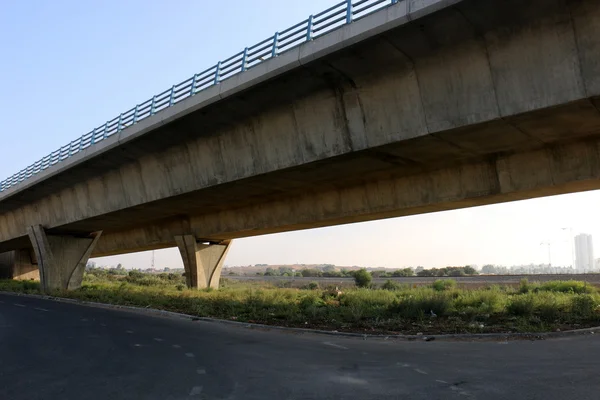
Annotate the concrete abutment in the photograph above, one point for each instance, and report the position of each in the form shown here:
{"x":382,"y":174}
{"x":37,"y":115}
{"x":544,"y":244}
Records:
{"x":202,"y":262}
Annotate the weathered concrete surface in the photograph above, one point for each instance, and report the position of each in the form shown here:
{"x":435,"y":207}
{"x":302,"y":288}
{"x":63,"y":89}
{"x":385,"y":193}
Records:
{"x":62,"y":259}
{"x":554,"y":170}
{"x":202,"y":262}
{"x":19,"y":264}
{"x":480,"y":102}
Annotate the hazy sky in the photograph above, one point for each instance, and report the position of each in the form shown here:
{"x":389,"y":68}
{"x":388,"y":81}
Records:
{"x":68,"y":66}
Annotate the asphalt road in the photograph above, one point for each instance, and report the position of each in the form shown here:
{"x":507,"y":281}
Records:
{"x":51,"y":350}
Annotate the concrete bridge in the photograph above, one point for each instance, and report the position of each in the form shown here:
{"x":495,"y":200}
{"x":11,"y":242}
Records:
{"x":417,"y":106}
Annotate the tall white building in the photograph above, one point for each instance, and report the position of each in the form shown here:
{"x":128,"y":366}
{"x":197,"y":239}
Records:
{"x":584,"y":253}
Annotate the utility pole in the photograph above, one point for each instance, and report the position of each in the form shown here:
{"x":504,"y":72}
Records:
{"x":549,"y":254}
{"x":571,"y":245}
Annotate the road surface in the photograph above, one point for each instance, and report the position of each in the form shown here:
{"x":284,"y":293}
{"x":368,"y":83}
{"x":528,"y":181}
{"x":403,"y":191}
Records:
{"x":51,"y":350}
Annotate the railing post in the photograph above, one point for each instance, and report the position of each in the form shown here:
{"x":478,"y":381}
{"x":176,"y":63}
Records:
{"x":153,"y":105}
{"x":217,"y":72}
{"x":348,"y":11}
{"x":119,"y":122}
{"x":193,"y":88}
{"x":309,"y":28}
{"x":244,"y":59}
{"x":275,"y":43}
{"x":135,"y":113}
{"x":105,"y":130}
{"x":171,"y":98}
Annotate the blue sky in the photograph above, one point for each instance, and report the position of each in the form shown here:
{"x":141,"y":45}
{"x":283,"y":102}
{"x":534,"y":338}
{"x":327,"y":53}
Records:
{"x":68,"y":66}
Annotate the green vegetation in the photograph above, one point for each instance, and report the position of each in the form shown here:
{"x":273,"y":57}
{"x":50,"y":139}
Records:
{"x":362,"y":278}
{"x":441,"y":307}
{"x":443,"y":284}
{"x":448,"y":271}
{"x":391,"y":285}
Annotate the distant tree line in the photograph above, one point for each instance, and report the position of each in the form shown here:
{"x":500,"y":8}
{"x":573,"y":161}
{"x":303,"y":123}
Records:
{"x":448,"y":271}
{"x":329,"y":271}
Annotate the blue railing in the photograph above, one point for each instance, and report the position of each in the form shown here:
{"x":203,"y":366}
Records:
{"x":314,"y":26}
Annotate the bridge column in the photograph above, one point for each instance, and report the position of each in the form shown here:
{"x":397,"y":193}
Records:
{"x":61,"y":258}
{"x":202,"y":262}
{"x":19,"y":265}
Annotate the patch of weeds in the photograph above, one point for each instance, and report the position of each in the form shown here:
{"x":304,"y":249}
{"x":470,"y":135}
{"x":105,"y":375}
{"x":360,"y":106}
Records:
{"x":441,"y":285}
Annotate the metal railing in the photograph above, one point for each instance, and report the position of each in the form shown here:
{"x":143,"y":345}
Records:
{"x":314,"y":26}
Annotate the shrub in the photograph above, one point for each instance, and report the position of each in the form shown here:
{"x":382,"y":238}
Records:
{"x":567,"y":287}
{"x":524,"y":286}
{"x":313,"y":286}
{"x":391,"y":285}
{"x":584,"y":306}
{"x":480,"y":301}
{"x":443,"y":284}
{"x":521,"y":305}
{"x":364,"y":303}
{"x":362,"y":278}
{"x":420,"y":303}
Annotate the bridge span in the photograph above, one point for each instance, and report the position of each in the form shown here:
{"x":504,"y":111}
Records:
{"x":370,"y":110}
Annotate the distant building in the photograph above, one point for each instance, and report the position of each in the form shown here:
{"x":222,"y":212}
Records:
{"x":584,"y":253}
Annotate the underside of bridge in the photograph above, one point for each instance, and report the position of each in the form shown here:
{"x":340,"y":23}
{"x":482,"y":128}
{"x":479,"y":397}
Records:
{"x":477,"y":103}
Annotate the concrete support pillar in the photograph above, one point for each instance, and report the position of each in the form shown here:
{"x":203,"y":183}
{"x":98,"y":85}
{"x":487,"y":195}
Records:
{"x":61,"y":259}
{"x":19,"y":264}
{"x":202,"y":262}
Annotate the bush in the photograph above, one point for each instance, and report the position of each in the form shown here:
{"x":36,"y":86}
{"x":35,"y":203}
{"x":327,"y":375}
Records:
{"x":441,"y":285}
{"x":521,"y":305}
{"x":524,"y":286}
{"x":423,"y":302}
{"x":475,"y":302}
{"x":313,"y":286}
{"x":584,"y":306}
{"x":364,"y":303}
{"x":362,"y":278}
{"x":567,"y":287}
{"x":391,"y":285}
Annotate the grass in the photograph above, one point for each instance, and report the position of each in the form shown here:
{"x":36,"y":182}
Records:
{"x":438,"y":308}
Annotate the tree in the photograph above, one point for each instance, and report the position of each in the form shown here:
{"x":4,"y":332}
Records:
{"x":135,"y":274}
{"x":311,"y":273}
{"x":470,"y":270}
{"x":362,"y":278}
{"x":426,"y":272}
{"x":403,"y":272}
{"x":488,"y":269}
{"x":328,"y":268}
{"x":286,"y":271}
{"x":379,"y":274}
